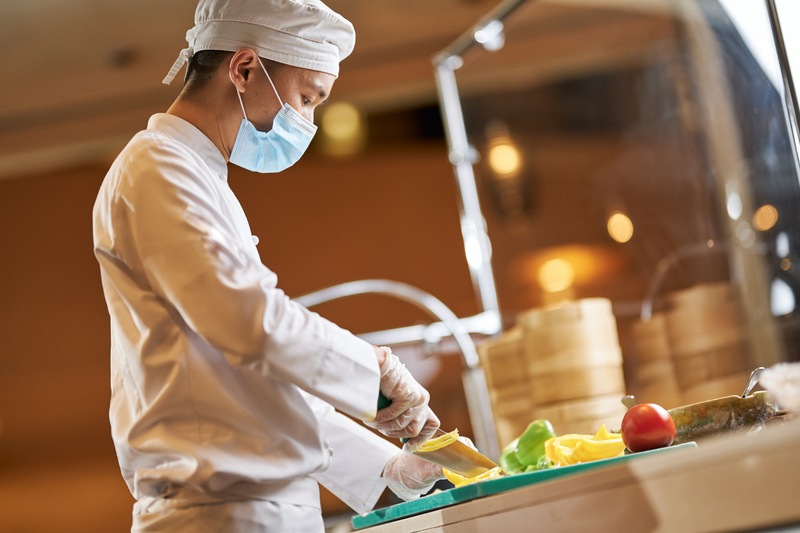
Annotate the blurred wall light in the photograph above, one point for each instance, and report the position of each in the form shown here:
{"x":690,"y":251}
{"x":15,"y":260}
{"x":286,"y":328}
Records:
{"x":343,"y":129}
{"x":506,"y":164}
{"x":589,"y":269}
{"x":765,"y":217}
{"x":556,"y":275}
{"x":504,"y":158}
{"x":620,"y":227}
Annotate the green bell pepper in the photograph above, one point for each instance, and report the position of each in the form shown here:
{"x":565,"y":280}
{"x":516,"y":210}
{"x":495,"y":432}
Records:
{"x":531,"y":443}
{"x":508,"y":459}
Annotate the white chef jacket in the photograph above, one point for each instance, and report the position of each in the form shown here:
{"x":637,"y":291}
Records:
{"x":222,"y":387}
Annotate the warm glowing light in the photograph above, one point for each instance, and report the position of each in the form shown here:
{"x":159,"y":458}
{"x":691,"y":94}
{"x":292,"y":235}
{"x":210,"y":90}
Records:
{"x":765,"y":217}
{"x":620,"y":227}
{"x":341,"y":120}
{"x":342,"y":128}
{"x":504,"y":158}
{"x":556,"y":275}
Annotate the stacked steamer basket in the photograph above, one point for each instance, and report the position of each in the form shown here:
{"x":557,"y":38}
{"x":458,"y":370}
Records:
{"x":574,"y":365}
{"x":706,"y":336}
{"x":504,"y":366}
{"x":653,"y":375}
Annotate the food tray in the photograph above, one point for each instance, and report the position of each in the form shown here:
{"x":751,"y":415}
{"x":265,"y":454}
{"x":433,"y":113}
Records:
{"x":493,"y":486}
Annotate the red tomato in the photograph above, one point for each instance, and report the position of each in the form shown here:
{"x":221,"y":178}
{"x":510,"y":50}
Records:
{"x":647,"y":426}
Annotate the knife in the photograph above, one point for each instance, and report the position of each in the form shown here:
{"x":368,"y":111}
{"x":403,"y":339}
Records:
{"x":456,"y":456}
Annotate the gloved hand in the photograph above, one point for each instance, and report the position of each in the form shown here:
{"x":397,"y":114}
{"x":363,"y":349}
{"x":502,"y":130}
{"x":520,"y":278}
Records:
{"x":409,"y":415}
{"x":410,"y":476}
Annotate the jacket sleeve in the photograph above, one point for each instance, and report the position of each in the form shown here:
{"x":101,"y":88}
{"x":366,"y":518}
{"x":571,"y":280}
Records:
{"x":196,"y":261}
{"x":358,"y":458}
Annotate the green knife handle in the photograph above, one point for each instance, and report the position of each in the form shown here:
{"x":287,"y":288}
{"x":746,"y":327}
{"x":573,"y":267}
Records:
{"x":384,"y":402}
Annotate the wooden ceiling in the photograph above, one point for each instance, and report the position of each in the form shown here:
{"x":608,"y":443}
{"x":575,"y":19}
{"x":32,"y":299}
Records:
{"x":80,"y":77}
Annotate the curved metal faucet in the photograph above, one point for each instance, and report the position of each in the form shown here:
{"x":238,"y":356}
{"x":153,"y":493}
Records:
{"x":475,"y":388}
{"x":666,"y":264}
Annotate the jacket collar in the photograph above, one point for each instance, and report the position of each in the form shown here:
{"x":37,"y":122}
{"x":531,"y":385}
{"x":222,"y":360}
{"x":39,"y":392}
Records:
{"x":186,"y":133}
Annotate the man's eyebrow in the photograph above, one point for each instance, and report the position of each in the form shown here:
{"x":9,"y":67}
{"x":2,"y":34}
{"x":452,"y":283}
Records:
{"x":319,"y":88}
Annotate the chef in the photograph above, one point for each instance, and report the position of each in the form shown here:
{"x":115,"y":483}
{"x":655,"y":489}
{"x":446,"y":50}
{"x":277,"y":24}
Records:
{"x":228,"y":399}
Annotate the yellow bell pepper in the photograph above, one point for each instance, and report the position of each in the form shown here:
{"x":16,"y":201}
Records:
{"x":573,"y":448}
{"x":459,"y":481}
{"x":439,"y":442}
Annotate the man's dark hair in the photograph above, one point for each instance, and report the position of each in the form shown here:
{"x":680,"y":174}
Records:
{"x":205,"y":63}
{"x":202,"y":67}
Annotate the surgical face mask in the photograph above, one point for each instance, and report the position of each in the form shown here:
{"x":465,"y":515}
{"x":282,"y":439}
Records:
{"x":277,"y":149}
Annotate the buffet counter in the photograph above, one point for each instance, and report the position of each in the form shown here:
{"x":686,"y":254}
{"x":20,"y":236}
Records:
{"x":740,"y":482}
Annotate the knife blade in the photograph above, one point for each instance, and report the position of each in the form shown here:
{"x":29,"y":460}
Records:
{"x":459,"y":458}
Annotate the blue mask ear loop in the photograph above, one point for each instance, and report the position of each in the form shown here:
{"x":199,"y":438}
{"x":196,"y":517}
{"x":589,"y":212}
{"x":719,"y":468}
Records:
{"x":239,"y":95}
{"x":270,"y":82}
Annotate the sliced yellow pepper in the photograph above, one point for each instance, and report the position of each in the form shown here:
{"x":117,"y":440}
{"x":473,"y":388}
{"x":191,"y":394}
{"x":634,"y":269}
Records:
{"x":573,"y":448}
{"x":459,"y":481}
{"x":439,"y":442}
{"x":605,"y":434}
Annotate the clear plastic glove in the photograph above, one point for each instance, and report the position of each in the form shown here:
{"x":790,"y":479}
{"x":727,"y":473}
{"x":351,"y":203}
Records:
{"x":409,"y":476}
{"x":409,"y":415}
{"x":428,"y":430}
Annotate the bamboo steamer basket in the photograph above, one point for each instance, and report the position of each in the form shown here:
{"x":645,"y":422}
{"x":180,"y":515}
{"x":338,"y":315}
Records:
{"x":573,"y":351}
{"x":650,"y":340}
{"x":511,"y":400}
{"x":575,"y":384}
{"x":732,"y":384}
{"x":503,"y":360}
{"x":512,"y":407}
{"x":657,"y":371}
{"x":571,"y":312}
{"x":511,"y":427}
{"x":652,"y":373}
{"x":574,"y":360}
{"x":505,"y":369}
{"x":579,"y":325}
{"x":705,"y":332}
{"x":573,"y":375}
{"x":583,"y":416}
{"x":655,"y":382}
{"x":664,"y":393}
{"x":691,"y":331}
{"x":702,"y":295}
{"x":667,"y":395}
{"x":702,"y":318}
{"x":710,"y":365}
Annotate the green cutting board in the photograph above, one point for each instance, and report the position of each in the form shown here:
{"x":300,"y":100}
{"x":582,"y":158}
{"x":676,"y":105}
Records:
{"x":492,"y":486}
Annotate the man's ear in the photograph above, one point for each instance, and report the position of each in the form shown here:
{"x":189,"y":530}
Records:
{"x":241,"y":66}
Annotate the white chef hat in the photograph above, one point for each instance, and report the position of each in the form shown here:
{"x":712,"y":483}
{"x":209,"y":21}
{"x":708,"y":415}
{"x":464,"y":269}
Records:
{"x":301,"y":33}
